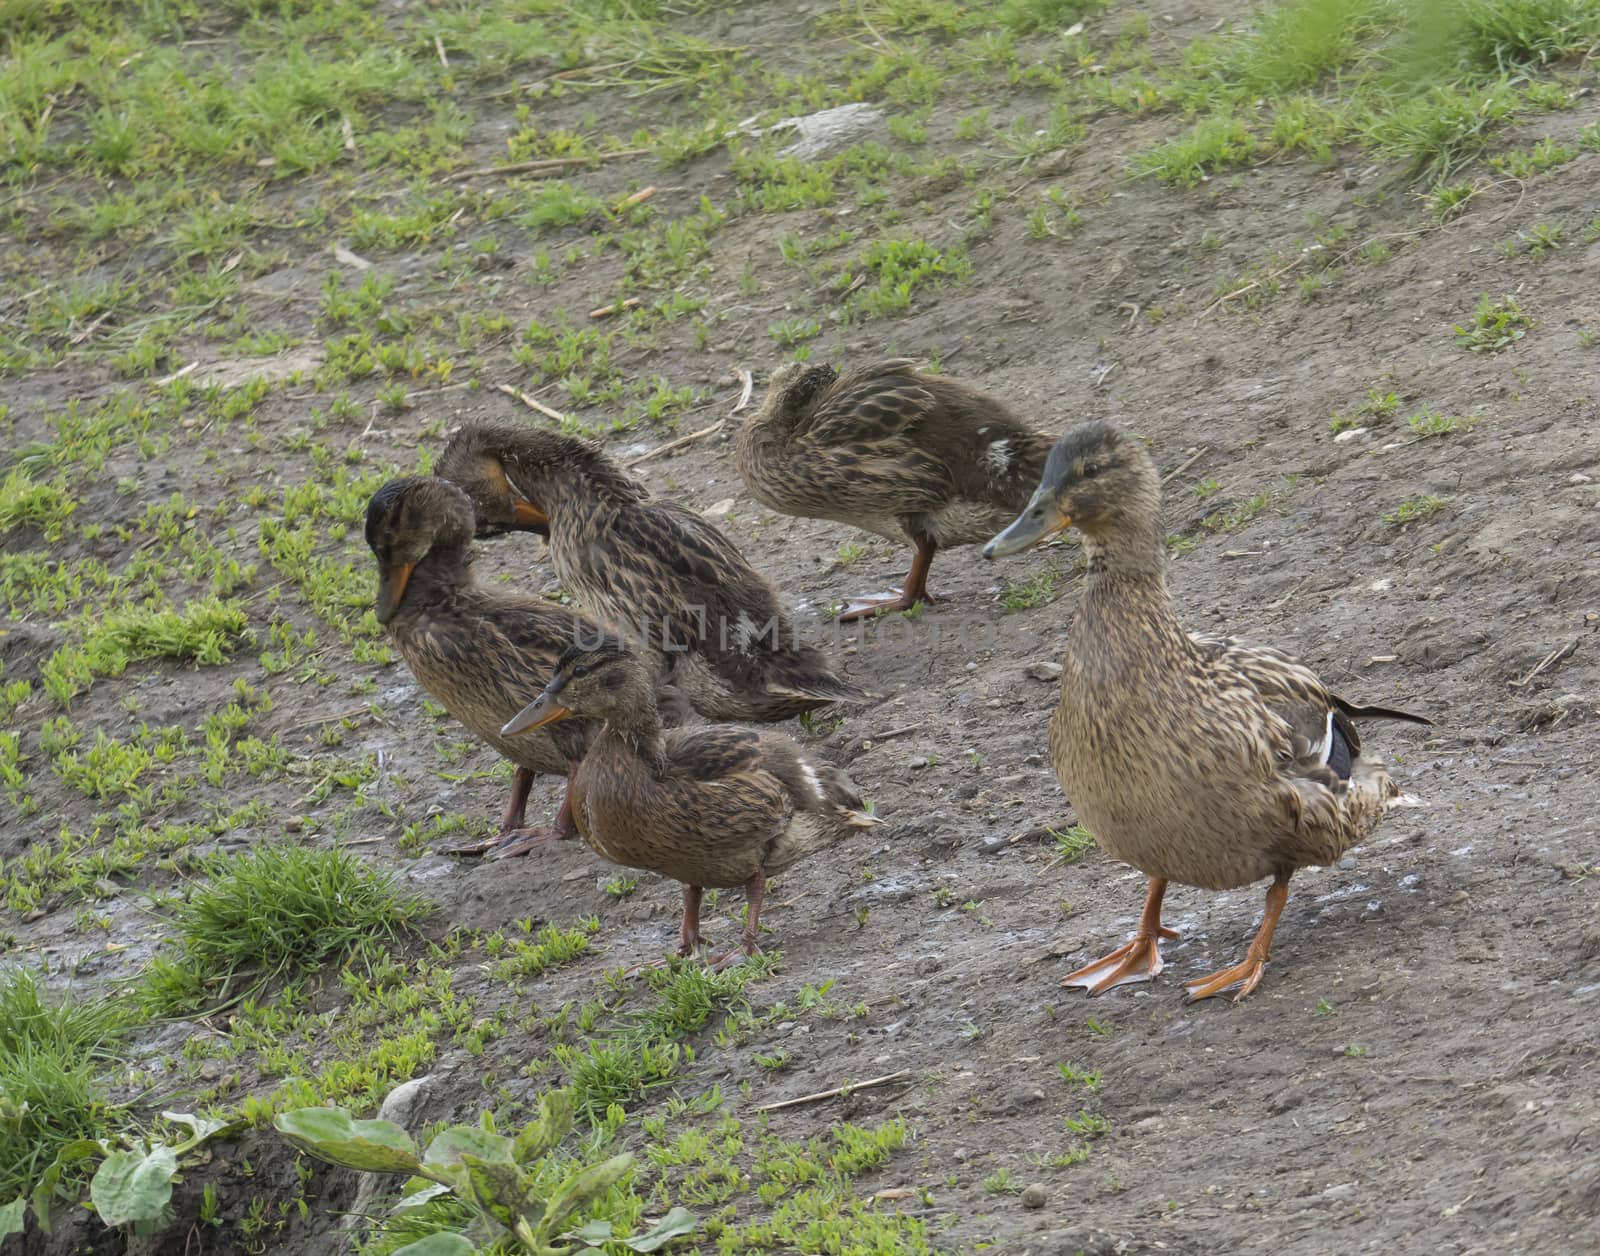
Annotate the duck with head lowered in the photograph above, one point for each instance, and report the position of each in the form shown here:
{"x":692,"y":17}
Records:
{"x":1194,"y":758}
{"x":478,"y":651}
{"x":669,"y":576}
{"x":893,"y":450}
{"x":714,"y":805}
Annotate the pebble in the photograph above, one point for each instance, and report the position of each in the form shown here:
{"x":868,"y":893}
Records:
{"x":1033,"y":1195}
{"x":1348,"y":862}
{"x":994,"y":845}
{"x":294,"y":824}
{"x":1044,"y":671}
{"x":1349,"y":434}
{"x":929,"y":964}
{"x":1578,"y":477}
{"x":921,"y":761}
{"x":718,"y":509}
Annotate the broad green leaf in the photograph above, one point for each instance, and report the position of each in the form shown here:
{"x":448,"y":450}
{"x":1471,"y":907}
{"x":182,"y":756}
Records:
{"x":133,"y":1186}
{"x":585,"y":1185}
{"x":678,"y":1221}
{"x":448,"y":1148}
{"x":11,"y":1216}
{"x":591,"y":1235}
{"x":444,"y":1243}
{"x":44,"y":1190}
{"x":332,"y":1135}
{"x":497,"y":1187}
{"x":541,"y":1136}
{"x":416,"y":1198}
{"x":201,"y":1128}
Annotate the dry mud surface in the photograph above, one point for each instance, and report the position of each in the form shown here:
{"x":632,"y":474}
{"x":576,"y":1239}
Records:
{"x":1416,"y":1073}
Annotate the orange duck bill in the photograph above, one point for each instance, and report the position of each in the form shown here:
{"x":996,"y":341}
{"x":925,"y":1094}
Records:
{"x":543,"y":710}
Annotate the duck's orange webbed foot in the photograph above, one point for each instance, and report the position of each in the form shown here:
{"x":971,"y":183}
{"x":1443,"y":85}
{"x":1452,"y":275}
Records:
{"x":1247,"y":973}
{"x":1138,"y":959}
{"x":870,"y":605}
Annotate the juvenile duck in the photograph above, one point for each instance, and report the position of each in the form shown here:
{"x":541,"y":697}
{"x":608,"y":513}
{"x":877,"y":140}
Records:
{"x":714,"y":805}
{"x":476,"y":650}
{"x":894,"y":451}
{"x":650,"y":567}
{"x":1193,"y":758}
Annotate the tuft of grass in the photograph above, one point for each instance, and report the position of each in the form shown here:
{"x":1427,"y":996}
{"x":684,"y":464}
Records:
{"x":274,"y":911}
{"x":1437,"y":132}
{"x":1416,"y":509}
{"x":1037,"y":590}
{"x":1214,"y":143}
{"x":1072,"y":844}
{"x":51,"y":1053}
{"x":1428,"y":424}
{"x":24,"y":503}
{"x":1495,"y":325}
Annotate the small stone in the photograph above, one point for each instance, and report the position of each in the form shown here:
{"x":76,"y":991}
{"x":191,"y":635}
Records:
{"x":921,"y":761}
{"x":928,"y":965}
{"x":1149,"y":1125}
{"x":1348,"y":862}
{"x":1033,"y":1195}
{"x":1578,"y":477}
{"x":294,"y":824}
{"x":1044,"y":671}
{"x":1349,"y":434}
{"x":994,"y":845}
{"x":719,"y":510}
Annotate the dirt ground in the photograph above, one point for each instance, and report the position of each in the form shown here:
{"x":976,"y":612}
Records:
{"x":1416,"y":1072}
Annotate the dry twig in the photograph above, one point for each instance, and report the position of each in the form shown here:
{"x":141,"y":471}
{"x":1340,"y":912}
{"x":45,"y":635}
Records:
{"x":885,"y":1080}
{"x":528,"y":401}
{"x":547,"y":166}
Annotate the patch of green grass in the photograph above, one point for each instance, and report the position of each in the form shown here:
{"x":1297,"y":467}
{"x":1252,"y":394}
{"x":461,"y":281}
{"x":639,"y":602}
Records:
{"x":25,"y":503}
{"x":550,"y":948}
{"x":1430,"y":424}
{"x":1495,"y":325}
{"x":1437,"y":132}
{"x":889,"y":272}
{"x":1036,"y":590}
{"x":1416,"y":509}
{"x":1211,"y":144}
{"x":1071,"y":844}
{"x":204,"y":632}
{"x":1234,"y":518}
{"x":52,"y":1054}
{"x":272,"y":912}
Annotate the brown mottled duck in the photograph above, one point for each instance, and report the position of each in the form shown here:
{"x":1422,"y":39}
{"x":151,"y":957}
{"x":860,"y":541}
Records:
{"x":894,"y":451}
{"x":655,"y":570}
{"x":1195,"y":759}
{"x":708,"y":806}
{"x":476,"y":650}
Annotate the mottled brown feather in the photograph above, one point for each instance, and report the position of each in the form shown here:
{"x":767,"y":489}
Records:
{"x":657,"y":571}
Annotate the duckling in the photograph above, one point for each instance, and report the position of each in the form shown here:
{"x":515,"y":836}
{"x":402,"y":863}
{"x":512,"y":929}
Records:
{"x":894,"y":451}
{"x":660,"y":572}
{"x":474,"y":649}
{"x":709,"y":806}
{"x":1194,"y":758}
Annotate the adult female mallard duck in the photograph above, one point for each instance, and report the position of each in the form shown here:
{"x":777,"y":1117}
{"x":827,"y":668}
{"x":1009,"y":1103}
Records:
{"x":894,"y":451}
{"x":652,"y":568}
{"x":1195,"y":759}
{"x":476,"y":650}
{"x":708,"y":806}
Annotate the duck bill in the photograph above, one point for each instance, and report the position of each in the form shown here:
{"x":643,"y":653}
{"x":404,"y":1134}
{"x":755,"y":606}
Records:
{"x":529,"y":518}
{"x":392,"y":588}
{"x":542,"y":711}
{"x":1040,"y":520}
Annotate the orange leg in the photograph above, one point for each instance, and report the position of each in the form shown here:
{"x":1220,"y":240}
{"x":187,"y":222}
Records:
{"x":916,"y":589}
{"x":1136,"y":960}
{"x":1246,"y":975}
{"x":689,"y":931}
{"x":755,"y":890}
{"x":514,"y":837}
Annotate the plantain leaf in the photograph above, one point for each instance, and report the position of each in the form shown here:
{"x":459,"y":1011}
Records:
{"x":541,"y":1135}
{"x":331,"y":1134}
{"x":133,"y":1186}
{"x":585,"y":1185}
{"x":677,"y":1222}
{"x":11,"y":1216}
{"x":444,"y":1243}
{"x":447,"y":1149}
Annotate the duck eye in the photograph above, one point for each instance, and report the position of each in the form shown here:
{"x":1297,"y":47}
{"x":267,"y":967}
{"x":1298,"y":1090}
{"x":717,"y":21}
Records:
{"x":1091,"y":469}
{"x":582,"y":669}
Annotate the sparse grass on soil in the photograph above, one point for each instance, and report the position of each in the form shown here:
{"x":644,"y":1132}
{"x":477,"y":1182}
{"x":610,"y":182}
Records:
{"x":261,"y":258}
